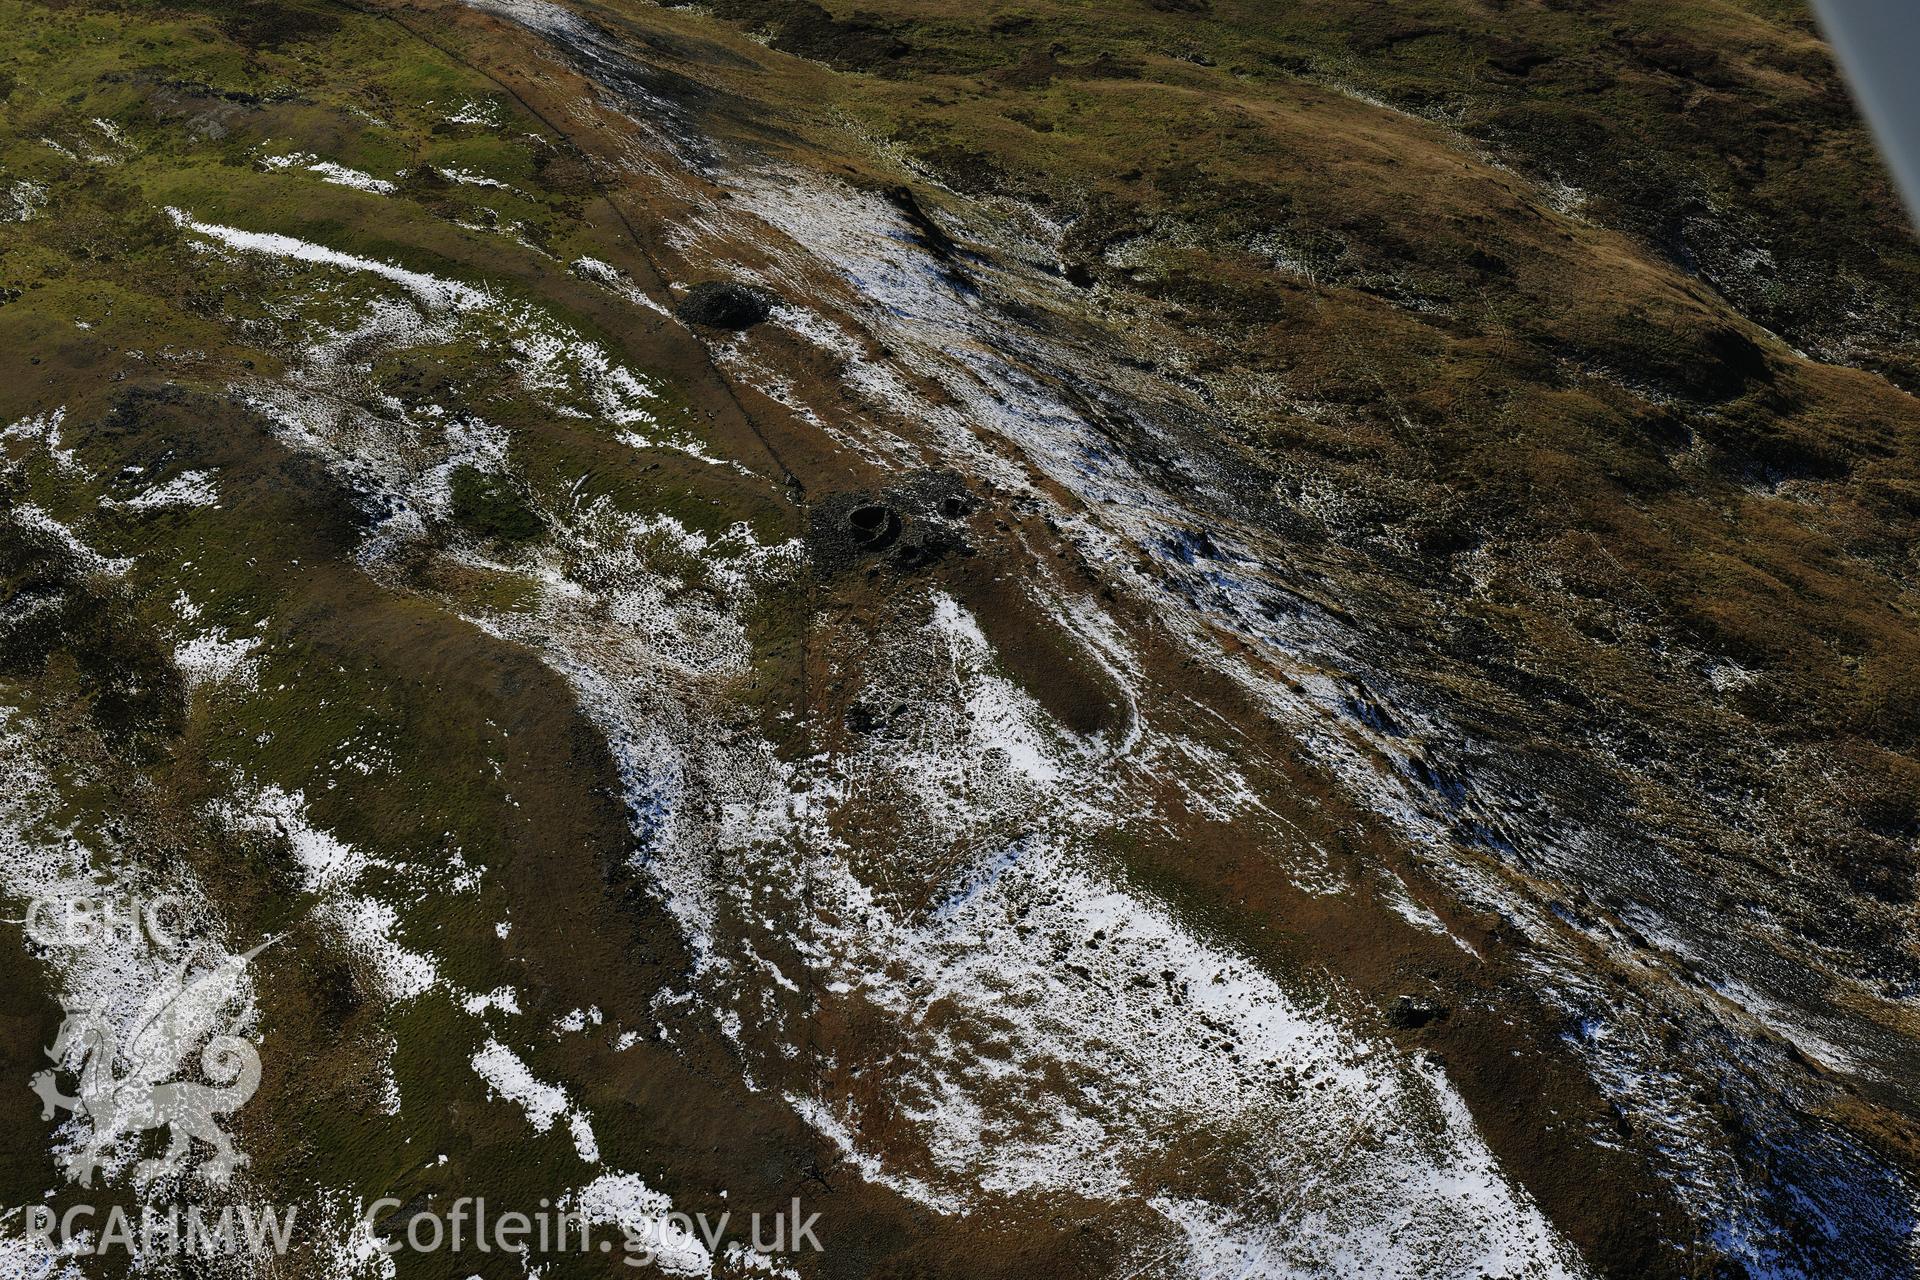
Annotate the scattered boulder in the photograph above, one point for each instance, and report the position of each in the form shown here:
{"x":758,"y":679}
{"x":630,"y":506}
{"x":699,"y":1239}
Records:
{"x":1409,"y":1013}
{"x":935,"y":495}
{"x":910,"y":525}
{"x":865,"y":719}
{"x":922,"y":545}
{"x":725,"y":304}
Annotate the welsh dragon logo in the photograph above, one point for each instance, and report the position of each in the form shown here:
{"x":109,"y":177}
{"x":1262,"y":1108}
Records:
{"x":126,"y":1089}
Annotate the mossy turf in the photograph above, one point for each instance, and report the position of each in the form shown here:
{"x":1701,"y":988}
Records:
{"x":409,"y":733}
{"x":1562,"y":346}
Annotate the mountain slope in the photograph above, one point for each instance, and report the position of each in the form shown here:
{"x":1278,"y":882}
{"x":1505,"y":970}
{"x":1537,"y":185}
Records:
{"x":1290,"y":653}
